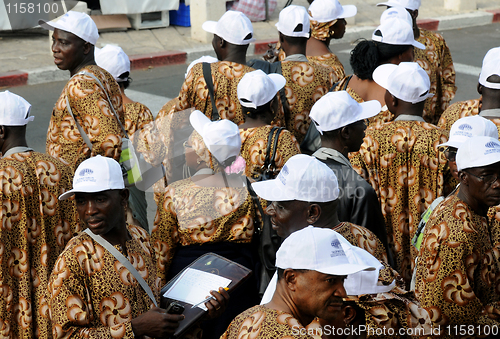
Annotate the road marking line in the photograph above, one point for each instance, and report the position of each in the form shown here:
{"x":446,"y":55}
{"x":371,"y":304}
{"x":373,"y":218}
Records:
{"x":467,"y":69}
{"x":153,"y":102}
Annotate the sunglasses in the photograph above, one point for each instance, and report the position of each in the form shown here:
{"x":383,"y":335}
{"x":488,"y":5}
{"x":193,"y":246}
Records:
{"x":185,"y":144}
{"x":450,"y":154}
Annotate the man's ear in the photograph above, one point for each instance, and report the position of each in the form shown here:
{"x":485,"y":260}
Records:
{"x":344,"y":132}
{"x":479,"y":88}
{"x":2,"y":132}
{"x":290,"y":278}
{"x":313,"y":213}
{"x":87,"y":48}
{"x":395,"y":101}
{"x":124,"y":194}
{"x":349,"y":314}
{"x":464,"y":178}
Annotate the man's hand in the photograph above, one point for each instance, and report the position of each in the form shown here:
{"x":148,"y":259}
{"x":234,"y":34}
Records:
{"x":218,"y":306}
{"x":156,"y":323}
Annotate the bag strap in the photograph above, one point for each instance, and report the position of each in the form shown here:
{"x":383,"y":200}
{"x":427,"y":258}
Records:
{"x":284,"y":100}
{"x":277,"y":133}
{"x":207,"y":74}
{"x":84,"y":135}
{"x":268,"y":149}
{"x":124,"y":261}
{"x":257,"y":202}
{"x":338,"y":83}
{"x":109,"y":100}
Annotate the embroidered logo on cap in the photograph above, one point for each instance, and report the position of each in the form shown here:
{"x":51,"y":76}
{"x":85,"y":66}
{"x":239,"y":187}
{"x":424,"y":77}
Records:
{"x":465,"y":127}
{"x":493,"y":147}
{"x":337,"y":249}
{"x":284,"y":171}
{"x":86,"y":171}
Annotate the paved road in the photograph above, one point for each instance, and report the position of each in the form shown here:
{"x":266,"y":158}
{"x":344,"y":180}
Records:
{"x":154,"y":87}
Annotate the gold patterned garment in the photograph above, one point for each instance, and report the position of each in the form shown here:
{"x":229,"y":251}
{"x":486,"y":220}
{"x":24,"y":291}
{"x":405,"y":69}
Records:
{"x":92,"y":295}
{"x":460,"y":110}
{"x":139,"y":122}
{"x":388,"y":313}
{"x":376,"y":121}
{"x":189,"y":214}
{"x":254,"y":149}
{"x":458,"y":273}
{"x":306,"y":83}
{"x":92,"y":109}
{"x":401,"y":161}
{"x":260,"y":322}
{"x":35,"y":229}
{"x":362,"y":237}
{"x":225,"y":77}
{"x":332,"y":61}
{"x":436,"y":61}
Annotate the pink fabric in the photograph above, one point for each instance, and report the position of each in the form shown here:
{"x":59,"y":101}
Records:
{"x":238,"y":166}
{"x":255,"y":10}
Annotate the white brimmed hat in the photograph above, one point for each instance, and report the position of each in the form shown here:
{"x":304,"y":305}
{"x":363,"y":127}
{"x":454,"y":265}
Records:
{"x":222,"y":137}
{"x":233,"y":26}
{"x":80,"y":24}
{"x":469,"y":127}
{"x":478,"y":151}
{"x":294,"y":22}
{"x":338,"y":109}
{"x":113,"y":59}
{"x":396,"y":31}
{"x":491,"y":66}
{"x":396,"y":12}
{"x":409,"y":4}
{"x":205,"y":58}
{"x":303,"y":178}
{"x":257,"y":88}
{"x":96,"y":174}
{"x":329,"y":10}
{"x":406,"y":81}
{"x":14,"y":110}
{"x":319,"y":249}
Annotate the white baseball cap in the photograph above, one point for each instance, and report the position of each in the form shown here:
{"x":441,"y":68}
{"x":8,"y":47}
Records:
{"x":469,"y":127}
{"x":96,"y":174}
{"x":478,"y":151}
{"x":233,"y":26}
{"x":257,"y":88}
{"x":205,"y":58}
{"x":320,"y":249}
{"x":14,"y":110}
{"x":326,"y":251}
{"x":303,"y":178}
{"x":410,"y":4}
{"x":491,"y":66}
{"x":222,"y":137}
{"x":80,"y":24}
{"x":396,"y":31}
{"x":294,"y":22}
{"x":338,"y":109}
{"x":113,"y":59}
{"x":396,"y":12}
{"x":406,"y":81}
{"x":329,"y":10}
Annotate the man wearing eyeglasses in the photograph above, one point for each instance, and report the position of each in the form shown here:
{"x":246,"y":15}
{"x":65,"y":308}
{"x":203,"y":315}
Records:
{"x":458,"y":271}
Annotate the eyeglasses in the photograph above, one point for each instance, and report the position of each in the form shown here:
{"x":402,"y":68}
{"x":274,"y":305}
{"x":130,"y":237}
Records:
{"x":185,"y":144}
{"x":450,"y":154}
{"x":487,"y":179}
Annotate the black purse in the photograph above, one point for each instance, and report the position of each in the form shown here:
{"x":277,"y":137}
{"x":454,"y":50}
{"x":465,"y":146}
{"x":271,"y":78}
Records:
{"x":269,"y":168}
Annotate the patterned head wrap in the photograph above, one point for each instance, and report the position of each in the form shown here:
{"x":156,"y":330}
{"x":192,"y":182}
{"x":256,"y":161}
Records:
{"x":321,"y":30}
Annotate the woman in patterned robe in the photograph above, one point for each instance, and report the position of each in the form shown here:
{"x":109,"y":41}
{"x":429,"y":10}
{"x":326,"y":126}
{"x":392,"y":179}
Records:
{"x":209,"y":212}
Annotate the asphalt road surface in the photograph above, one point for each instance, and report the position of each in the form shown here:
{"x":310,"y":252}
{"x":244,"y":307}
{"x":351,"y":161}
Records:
{"x":154,"y":87}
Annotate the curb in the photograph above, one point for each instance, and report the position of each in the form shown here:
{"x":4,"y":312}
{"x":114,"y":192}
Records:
{"x":165,"y":58}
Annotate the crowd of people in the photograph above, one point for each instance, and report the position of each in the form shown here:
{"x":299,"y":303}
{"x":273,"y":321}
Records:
{"x":365,"y":204}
